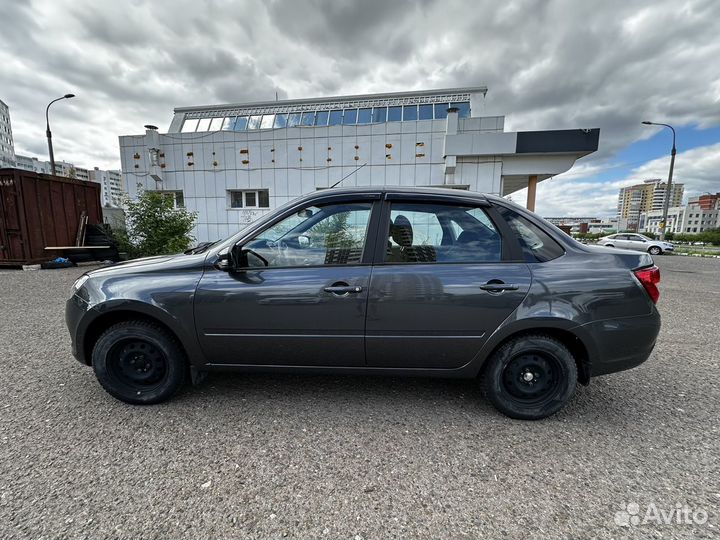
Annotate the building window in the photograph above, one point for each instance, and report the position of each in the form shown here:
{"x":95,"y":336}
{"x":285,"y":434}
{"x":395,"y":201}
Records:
{"x":228,"y":123}
{"x":308,"y":119}
{"x":394,"y":114}
{"x":410,"y":112}
{"x":293,"y":119}
{"x":267,"y":121}
{"x":177,"y":197}
{"x":350,"y":116}
{"x":441,"y":110}
{"x":426,"y":112}
{"x":254,"y":122}
{"x":463,"y":109}
{"x":189,"y":125}
{"x":249,"y":198}
{"x":379,"y":114}
{"x":336,"y":118}
{"x":241,"y":123}
{"x":281,"y":120}
{"x":321,"y":118}
{"x":203,"y":124}
{"x":215,"y":124}
{"x":364,"y":116}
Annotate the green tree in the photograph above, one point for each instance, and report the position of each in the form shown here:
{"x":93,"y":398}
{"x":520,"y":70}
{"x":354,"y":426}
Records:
{"x":155,"y":226}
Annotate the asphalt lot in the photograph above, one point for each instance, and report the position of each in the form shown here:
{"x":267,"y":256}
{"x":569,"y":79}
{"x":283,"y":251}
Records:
{"x":354,"y":457}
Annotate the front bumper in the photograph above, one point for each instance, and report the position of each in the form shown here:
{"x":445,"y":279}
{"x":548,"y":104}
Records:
{"x":623,"y":343}
{"x":75,"y":308}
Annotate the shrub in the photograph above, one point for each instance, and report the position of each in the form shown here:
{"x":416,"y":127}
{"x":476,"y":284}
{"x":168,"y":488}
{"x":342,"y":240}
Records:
{"x":155,"y":226}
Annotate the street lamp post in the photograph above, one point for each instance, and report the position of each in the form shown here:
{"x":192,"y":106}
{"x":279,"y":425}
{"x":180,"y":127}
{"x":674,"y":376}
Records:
{"x":49,"y":134}
{"x":666,"y":202}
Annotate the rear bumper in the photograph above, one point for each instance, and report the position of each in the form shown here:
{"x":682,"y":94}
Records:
{"x":622,"y":343}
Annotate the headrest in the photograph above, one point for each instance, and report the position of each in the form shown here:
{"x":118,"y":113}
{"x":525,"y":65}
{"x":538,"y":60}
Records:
{"x":401,"y":231}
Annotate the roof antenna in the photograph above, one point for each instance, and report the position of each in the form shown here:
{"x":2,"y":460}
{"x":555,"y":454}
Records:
{"x":348,"y":174}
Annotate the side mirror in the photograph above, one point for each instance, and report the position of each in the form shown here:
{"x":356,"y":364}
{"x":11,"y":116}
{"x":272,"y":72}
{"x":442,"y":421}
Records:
{"x":303,"y":241}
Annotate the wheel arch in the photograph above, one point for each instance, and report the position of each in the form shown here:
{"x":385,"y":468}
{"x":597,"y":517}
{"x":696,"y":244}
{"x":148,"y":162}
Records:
{"x":108,"y":318}
{"x":578,"y":344}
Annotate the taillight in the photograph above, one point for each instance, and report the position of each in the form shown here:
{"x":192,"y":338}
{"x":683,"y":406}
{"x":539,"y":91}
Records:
{"x":649,"y":277}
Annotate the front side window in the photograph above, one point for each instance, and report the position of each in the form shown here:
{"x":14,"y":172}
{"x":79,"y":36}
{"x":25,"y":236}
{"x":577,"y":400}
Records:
{"x":536,"y":244}
{"x":441,"y":233}
{"x":318,"y":235}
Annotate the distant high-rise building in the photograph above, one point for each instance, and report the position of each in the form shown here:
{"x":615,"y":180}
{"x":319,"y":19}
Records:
{"x":7,"y":147}
{"x":112,"y":186}
{"x":645,"y":197}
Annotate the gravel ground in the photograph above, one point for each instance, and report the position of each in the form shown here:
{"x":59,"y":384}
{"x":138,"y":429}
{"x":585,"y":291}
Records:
{"x":354,"y":457}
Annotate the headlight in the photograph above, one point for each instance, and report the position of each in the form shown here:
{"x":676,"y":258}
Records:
{"x":79,"y":282}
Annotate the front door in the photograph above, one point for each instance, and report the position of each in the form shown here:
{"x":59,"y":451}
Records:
{"x":443,"y":287}
{"x":302,"y":299}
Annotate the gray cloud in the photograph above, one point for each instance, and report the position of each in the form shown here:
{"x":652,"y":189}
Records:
{"x":548,"y":64}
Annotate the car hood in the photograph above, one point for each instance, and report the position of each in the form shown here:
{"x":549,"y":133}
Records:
{"x":151,"y":264}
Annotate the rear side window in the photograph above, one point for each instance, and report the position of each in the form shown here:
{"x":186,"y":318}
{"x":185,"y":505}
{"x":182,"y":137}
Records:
{"x":536,"y":244}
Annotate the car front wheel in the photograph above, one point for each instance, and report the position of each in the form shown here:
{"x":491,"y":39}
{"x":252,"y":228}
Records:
{"x":530,"y":377}
{"x":655,"y":250}
{"x":139,"y":362}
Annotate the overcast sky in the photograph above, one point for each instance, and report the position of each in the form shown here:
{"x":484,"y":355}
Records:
{"x":548,"y":65}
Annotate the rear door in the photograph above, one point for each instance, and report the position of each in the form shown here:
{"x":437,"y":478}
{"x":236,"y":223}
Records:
{"x":445,"y":277}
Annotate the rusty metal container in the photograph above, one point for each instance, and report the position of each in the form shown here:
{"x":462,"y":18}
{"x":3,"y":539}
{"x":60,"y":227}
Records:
{"x":40,"y":210}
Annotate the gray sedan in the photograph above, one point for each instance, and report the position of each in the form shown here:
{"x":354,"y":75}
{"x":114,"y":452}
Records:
{"x":637,"y":242}
{"x":382,"y":281}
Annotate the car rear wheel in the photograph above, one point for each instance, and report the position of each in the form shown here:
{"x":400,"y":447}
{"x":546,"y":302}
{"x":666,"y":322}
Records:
{"x":139,"y":362}
{"x":655,"y":250}
{"x":530,"y":377}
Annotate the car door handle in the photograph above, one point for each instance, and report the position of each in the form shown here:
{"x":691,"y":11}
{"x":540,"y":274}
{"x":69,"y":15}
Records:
{"x":342,"y":290}
{"x":499,"y":287}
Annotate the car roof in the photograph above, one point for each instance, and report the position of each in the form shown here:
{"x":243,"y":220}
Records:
{"x":429,"y":190}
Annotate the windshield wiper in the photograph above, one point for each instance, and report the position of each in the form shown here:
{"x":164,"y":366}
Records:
{"x":202,"y":246}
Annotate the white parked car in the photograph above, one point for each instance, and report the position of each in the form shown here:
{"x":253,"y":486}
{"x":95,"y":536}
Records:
{"x":637,"y":242}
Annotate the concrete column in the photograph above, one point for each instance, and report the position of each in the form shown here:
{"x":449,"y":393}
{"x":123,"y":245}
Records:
{"x":450,"y":159}
{"x":532,"y":187}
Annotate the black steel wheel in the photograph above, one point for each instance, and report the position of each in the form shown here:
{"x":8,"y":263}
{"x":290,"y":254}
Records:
{"x":139,"y":362}
{"x":530,"y":377}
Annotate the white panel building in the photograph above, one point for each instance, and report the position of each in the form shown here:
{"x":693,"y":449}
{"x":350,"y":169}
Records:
{"x":232,"y":163}
{"x":7,"y":147}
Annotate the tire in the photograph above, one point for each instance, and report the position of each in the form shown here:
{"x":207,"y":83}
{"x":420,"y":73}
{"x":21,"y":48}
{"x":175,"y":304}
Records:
{"x":609,"y":245}
{"x":139,"y":362}
{"x":655,"y":250}
{"x":541,"y":357}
